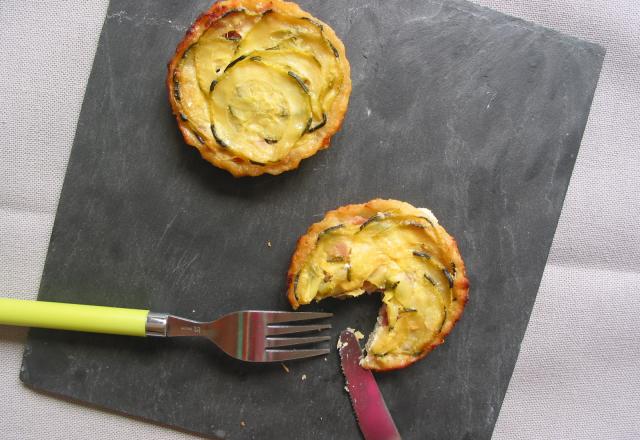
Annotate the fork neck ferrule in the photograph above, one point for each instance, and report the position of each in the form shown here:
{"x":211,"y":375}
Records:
{"x":156,"y":324}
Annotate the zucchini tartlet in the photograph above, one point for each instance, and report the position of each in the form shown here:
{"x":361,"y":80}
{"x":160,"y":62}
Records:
{"x":390,"y":247}
{"x":257,"y":86}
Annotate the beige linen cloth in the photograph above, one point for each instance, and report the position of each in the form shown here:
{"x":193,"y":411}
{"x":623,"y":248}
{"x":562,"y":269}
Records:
{"x":578,"y":374}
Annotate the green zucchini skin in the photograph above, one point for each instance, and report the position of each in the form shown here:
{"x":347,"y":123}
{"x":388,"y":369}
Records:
{"x":234,"y":62}
{"x":428,"y":278}
{"x":422,"y":254}
{"x":176,"y":87}
{"x":299,"y":80}
{"x":313,"y":22}
{"x":371,"y":219}
{"x":329,"y":230}
{"x":306,"y":128}
{"x":232,"y":11}
{"x":449,"y":277}
{"x":334,"y":50}
{"x":215,"y":136}
{"x":319,"y":126}
{"x":444,"y":319}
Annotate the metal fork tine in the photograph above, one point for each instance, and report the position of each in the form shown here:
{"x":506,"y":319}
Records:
{"x":289,"y":329}
{"x":287,"y":355}
{"x":284,"y":342}
{"x":275,"y":317}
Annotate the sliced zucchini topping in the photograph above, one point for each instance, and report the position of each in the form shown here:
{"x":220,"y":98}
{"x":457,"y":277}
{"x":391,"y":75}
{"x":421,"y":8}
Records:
{"x":176,"y":88}
{"x":320,"y":125}
{"x":234,"y":62}
{"x":267,"y":103}
{"x":448,"y":276}
{"x":415,"y":284}
{"x":232,"y":11}
{"x":260,"y":81}
{"x":299,"y":80}
{"x":329,"y":230}
{"x":335,"y":51}
{"x":374,"y":218}
{"x":428,"y":278}
{"x":222,"y":143}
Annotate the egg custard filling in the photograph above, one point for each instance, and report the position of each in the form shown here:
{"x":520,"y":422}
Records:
{"x":397,"y":250}
{"x":257,"y":89}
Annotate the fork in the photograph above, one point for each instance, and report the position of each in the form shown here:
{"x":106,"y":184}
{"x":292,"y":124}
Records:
{"x":248,"y":335}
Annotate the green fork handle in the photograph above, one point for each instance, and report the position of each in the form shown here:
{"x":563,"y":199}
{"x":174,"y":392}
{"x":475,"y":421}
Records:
{"x":76,"y":317}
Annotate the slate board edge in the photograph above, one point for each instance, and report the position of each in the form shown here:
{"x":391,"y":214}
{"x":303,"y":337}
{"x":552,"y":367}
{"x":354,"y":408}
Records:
{"x":109,"y":410}
{"x":463,"y":6}
{"x":578,"y":43}
{"x":555,"y":227}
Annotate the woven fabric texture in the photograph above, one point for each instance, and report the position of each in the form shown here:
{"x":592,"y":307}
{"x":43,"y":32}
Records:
{"x":578,"y":372}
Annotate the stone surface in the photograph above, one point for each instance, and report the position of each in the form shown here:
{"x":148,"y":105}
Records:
{"x":471,"y":113}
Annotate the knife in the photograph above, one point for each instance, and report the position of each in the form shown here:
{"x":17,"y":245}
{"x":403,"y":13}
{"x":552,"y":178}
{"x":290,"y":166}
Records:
{"x":371,"y":412}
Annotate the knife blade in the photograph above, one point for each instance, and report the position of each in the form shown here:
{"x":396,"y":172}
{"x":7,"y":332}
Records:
{"x":368,"y":404}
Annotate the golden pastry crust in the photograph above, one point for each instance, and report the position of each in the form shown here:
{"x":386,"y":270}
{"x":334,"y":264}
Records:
{"x":447,"y":251}
{"x":207,"y":143}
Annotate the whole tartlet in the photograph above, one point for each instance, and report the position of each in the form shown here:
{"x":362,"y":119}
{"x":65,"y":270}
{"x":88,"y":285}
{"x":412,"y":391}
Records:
{"x":390,"y":247}
{"x":257,"y":86}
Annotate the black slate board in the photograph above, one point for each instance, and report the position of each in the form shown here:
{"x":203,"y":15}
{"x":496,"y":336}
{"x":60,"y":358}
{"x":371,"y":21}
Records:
{"x":458,"y":108}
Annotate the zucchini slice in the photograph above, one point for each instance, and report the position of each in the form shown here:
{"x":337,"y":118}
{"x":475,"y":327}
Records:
{"x":259,"y":111}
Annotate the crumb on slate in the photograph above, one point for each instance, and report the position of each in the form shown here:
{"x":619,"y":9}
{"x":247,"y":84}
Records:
{"x":304,"y":377}
{"x":268,"y":243}
{"x":357,"y":333}
{"x":285,"y":367}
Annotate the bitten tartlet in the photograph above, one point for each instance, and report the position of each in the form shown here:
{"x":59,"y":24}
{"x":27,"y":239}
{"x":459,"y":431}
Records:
{"x":257,"y":86}
{"x":390,"y":247}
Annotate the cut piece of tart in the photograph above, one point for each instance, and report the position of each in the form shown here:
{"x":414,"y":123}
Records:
{"x":393,"y":248}
{"x":257,"y":86}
